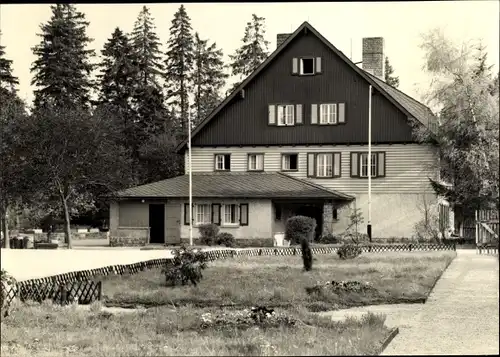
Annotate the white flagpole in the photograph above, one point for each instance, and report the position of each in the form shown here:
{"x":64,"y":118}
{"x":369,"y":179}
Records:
{"x":190,"y":184}
{"x":369,"y":227}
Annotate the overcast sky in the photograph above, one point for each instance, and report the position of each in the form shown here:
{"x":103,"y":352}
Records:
{"x":400,"y":23}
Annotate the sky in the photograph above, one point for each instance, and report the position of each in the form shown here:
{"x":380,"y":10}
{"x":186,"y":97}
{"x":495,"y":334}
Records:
{"x":343,"y":24}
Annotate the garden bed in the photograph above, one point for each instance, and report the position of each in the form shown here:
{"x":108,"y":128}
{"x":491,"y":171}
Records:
{"x":395,"y":277}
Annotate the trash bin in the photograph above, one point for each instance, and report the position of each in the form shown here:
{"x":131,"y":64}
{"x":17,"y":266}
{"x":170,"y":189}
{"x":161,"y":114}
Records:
{"x":279,"y":239}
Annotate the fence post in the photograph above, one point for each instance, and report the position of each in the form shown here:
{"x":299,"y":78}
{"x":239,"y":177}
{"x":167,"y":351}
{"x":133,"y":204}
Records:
{"x":99,"y":290}
{"x":410,"y":246}
{"x":64,"y":294}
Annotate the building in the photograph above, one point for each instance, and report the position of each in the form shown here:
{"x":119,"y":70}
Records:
{"x":292,"y":139}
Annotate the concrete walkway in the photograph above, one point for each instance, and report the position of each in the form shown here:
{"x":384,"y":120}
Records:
{"x":461,"y":315}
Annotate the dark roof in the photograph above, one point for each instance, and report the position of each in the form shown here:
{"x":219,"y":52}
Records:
{"x":233,"y":185}
{"x":406,"y":104}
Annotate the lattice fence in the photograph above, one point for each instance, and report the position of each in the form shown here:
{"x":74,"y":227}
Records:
{"x":78,"y":286}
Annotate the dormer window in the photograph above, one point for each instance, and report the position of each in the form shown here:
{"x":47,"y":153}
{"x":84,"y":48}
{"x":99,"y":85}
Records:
{"x":306,"y":66}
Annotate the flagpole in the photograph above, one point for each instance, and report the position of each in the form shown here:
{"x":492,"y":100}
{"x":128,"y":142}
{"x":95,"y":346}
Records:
{"x":369,"y":226}
{"x":190,"y":183}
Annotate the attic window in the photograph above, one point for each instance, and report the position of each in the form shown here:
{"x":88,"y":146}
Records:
{"x":306,"y":66}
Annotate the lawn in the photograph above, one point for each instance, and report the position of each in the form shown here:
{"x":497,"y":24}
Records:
{"x":280,"y":282}
{"x":46,"y":330}
{"x":175,"y":322}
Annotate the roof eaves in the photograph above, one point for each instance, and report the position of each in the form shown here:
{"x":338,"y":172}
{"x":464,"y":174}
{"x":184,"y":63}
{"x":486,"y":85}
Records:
{"x":319,"y":187}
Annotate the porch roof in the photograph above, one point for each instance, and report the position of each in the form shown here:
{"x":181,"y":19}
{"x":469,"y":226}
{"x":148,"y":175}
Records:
{"x":234,"y":185}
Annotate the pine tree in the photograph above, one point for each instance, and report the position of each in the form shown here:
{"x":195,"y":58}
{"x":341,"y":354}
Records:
{"x":146,"y":44}
{"x":179,"y":65}
{"x":118,"y":71}
{"x":390,"y":79}
{"x":7,"y":80}
{"x":253,"y":51}
{"x":208,"y":78}
{"x":62,"y":69}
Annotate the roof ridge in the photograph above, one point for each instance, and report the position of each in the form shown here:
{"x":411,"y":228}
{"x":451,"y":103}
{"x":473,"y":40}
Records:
{"x":312,"y":184}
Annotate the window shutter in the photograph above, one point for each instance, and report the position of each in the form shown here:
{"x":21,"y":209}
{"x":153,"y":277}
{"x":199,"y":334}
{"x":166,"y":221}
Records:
{"x":216,"y":213}
{"x":272,"y":115}
{"x":295,"y":66}
{"x":336,"y":164}
{"x":310,"y":165}
{"x":318,"y":64}
{"x":298,"y":115}
{"x":381,"y":164}
{"x":244,"y":214}
{"x":354,"y":164}
{"x":186,"y":214}
{"x":314,"y":114}
{"x":341,"y":113}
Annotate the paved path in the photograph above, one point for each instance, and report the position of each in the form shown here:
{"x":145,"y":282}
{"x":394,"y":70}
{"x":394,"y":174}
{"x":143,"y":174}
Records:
{"x":461,"y":315}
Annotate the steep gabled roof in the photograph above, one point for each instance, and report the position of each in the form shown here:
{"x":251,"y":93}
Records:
{"x":234,"y":185}
{"x":406,"y":104}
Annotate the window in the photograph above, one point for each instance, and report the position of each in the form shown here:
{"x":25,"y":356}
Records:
{"x":335,"y":214}
{"x":359,"y":164}
{"x":230,"y":214}
{"x":328,"y":114}
{"x":202,"y":214}
{"x":277,"y":212}
{"x":324,"y":166}
{"x":444,"y":217}
{"x":255,"y":162}
{"x":222,"y":162}
{"x":285,"y":115}
{"x":364,"y":165}
{"x":306,"y":66}
{"x":289,"y":162}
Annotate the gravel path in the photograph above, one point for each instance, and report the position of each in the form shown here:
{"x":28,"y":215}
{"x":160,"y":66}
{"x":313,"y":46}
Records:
{"x":461,"y":314}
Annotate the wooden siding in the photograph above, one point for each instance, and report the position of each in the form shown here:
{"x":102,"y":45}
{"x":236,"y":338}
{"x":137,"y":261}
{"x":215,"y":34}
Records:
{"x":244,"y":121}
{"x":407,"y":166}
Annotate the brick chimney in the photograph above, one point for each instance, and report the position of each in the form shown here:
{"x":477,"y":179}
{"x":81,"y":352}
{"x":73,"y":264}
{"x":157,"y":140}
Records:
{"x":373,"y":56}
{"x":280,"y":38}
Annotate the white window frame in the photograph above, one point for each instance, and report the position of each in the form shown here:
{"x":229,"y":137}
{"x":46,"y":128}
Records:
{"x":364,"y":164}
{"x":285,"y":115}
{"x":328,"y":113}
{"x":202,"y":213}
{"x":222,"y":163}
{"x":255,"y":162}
{"x":224,"y":214}
{"x":324,"y":165}
{"x":284,"y":160}
{"x":301,"y":66}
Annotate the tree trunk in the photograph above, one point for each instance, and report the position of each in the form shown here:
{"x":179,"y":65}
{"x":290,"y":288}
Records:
{"x":5,"y":227}
{"x":67,"y":224}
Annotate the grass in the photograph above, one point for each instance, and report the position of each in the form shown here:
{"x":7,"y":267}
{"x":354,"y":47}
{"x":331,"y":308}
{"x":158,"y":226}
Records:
{"x":49,"y":330}
{"x":244,"y":281}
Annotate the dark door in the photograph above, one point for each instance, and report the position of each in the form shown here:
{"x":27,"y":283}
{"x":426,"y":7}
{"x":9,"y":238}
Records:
{"x":313,"y":211}
{"x":157,"y":223}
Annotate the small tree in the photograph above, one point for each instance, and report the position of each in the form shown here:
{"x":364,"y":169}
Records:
{"x":390,"y":78}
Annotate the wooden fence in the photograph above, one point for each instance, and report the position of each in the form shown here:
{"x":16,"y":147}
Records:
{"x":487,"y":231}
{"x":79,"y":287}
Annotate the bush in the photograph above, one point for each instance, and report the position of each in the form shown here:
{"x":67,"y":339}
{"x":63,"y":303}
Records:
{"x":208,"y":233}
{"x":307,"y":257}
{"x":349,"y":251}
{"x":226,"y":239}
{"x":186,"y":267}
{"x":328,"y":239}
{"x":299,"y":228}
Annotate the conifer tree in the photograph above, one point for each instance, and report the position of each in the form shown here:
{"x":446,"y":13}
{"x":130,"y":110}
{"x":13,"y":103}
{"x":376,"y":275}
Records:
{"x":390,"y":79}
{"x":254,"y":50}
{"x":179,"y":66}
{"x":208,"y":78}
{"x":62,"y":69}
{"x":7,"y":80}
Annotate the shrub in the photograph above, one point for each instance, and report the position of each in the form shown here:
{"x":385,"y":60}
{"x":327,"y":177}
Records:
{"x":208,"y":233}
{"x":306,"y":255}
{"x":349,"y":251}
{"x":226,"y":239}
{"x":186,"y":267}
{"x":299,"y":228}
{"x":328,"y":239}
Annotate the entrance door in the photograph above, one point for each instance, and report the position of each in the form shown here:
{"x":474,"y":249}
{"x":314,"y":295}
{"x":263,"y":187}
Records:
{"x":157,"y":223}
{"x":173,"y":223}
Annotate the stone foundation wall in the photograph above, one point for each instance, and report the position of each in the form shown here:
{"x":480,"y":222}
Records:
{"x":127,"y":241}
{"x":75,"y":236}
{"x":240,"y":242}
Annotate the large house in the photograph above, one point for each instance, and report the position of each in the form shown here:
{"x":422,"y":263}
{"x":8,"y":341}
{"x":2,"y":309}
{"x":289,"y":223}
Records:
{"x":293,"y":139}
